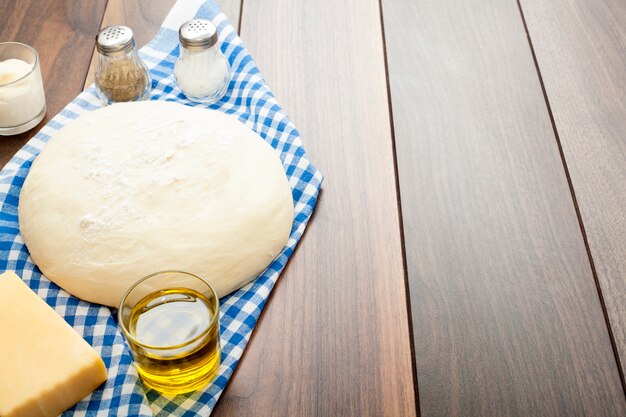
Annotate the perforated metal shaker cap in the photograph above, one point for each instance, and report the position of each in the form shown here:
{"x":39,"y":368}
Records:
{"x":117,"y":38}
{"x":198,"y":34}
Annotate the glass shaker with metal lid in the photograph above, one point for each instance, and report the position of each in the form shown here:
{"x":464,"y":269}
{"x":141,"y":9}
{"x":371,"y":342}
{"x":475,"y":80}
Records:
{"x":121,"y":74}
{"x":201,"y":71}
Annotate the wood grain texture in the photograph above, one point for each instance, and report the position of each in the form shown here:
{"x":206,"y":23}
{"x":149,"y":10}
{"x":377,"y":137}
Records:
{"x":144,"y":17}
{"x":333,"y":339}
{"x":62,"y":32}
{"x":582,"y":59}
{"x":507,"y":319}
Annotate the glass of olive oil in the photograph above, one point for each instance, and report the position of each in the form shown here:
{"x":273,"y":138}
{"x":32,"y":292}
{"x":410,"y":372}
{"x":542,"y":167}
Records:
{"x":171,"y":322}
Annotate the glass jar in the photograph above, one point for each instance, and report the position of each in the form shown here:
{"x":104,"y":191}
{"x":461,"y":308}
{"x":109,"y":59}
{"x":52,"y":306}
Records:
{"x":22,"y":99}
{"x":202,"y":72}
{"x":121,"y":75}
{"x":171,"y":322}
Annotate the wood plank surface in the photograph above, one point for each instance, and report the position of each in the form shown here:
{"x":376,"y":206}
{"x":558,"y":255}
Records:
{"x":333,"y":339}
{"x":507,"y":319}
{"x":144,"y":17}
{"x":581,"y":52}
{"x":63,"y":34}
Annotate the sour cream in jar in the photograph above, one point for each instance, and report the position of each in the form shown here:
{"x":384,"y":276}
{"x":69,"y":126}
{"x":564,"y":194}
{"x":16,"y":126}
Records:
{"x":22,"y":99}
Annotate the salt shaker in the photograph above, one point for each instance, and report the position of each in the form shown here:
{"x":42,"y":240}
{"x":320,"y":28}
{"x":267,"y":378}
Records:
{"x":121,"y":74}
{"x":201,"y":71}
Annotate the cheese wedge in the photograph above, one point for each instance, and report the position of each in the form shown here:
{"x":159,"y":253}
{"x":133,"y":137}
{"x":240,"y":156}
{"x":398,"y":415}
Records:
{"x":45,"y":366}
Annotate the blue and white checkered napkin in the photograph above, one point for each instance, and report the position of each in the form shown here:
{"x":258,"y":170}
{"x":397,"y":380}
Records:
{"x":250,"y":99}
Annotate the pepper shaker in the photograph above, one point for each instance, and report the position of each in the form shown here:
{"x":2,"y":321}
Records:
{"x":121,"y":75}
{"x":202,"y":72}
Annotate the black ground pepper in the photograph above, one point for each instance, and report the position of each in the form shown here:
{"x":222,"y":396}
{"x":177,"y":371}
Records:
{"x":122,"y":80}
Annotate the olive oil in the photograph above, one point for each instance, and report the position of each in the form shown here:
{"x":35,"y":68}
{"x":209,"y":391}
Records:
{"x":176,"y":342}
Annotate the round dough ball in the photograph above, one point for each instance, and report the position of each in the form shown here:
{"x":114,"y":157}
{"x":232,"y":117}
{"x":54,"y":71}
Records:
{"x":136,"y":188}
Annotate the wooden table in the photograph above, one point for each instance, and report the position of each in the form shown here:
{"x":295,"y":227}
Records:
{"x":468,"y":253}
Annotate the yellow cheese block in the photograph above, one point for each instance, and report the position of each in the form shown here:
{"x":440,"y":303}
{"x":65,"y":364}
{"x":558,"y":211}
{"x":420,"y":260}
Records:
{"x":45,"y":366}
